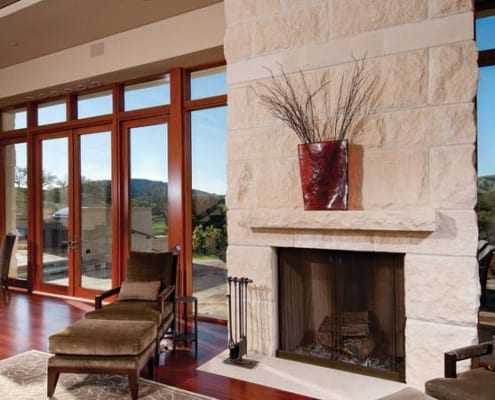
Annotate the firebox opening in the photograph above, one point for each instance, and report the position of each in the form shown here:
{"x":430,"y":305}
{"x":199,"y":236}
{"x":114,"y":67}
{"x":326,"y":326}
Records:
{"x":343,"y":309}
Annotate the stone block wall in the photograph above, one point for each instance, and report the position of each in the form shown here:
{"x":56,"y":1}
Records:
{"x":417,"y":155}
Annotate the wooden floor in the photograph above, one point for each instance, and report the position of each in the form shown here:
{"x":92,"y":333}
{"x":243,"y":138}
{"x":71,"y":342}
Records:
{"x":28,"y":320}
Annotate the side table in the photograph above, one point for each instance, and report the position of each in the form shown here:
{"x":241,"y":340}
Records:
{"x":182,"y":331}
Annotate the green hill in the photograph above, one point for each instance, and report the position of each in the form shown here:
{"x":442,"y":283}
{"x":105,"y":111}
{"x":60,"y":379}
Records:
{"x":486,"y":207}
{"x":486,"y":184}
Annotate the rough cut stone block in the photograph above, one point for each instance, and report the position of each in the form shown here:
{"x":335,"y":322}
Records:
{"x":255,"y":262}
{"x":241,"y":112}
{"x":442,"y":289}
{"x":264,"y":184}
{"x":395,"y":179}
{"x":372,"y":133}
{"x":441,"y":8}
{"x":451,"y":124}
{"x":453,"y":73}
{"x":453,"y":180}
{"x":425,"y":345}
{"x":242,"y":10}
{"x":237,"y":43}
{"x":356,"y":16}
{"x":406,"y":80}
{"x":240,"y":195}
{"x":260,"y":265}
{"x":268,"y":143}
{"x":291,"y":29}
{"x":277,"y":184}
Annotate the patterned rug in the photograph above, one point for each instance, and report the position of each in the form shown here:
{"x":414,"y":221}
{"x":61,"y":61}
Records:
{"x":23,"y":377}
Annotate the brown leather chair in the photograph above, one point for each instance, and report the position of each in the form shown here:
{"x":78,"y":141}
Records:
{"x":147,"y":294}
{"x":6,"y":250}
{"x":478,"y":383}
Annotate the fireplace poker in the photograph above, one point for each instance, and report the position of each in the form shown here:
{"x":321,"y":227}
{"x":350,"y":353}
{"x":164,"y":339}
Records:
{"x":231,"y":339}
{"x":239,"y":301}
{"x":242,"y":318}
{"x":234,"y":352}
{"x":238,"y":322}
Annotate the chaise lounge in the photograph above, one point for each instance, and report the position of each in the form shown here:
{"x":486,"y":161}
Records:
{"x":147,"y":294}
{"x":123,"y":336}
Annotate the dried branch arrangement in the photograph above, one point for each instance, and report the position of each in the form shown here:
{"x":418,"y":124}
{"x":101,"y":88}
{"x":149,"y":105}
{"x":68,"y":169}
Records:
{"x":296,"y":103}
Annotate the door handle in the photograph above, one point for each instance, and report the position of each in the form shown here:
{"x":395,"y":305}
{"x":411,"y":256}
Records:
{"x":72,"y":244}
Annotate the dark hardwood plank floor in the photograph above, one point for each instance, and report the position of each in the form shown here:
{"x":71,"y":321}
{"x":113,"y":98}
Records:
{"x":28,"y":320}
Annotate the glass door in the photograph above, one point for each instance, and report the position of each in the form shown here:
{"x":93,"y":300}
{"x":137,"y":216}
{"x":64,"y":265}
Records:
{"x":55,"y":212}
{"x":148,"y":187}
{"x":76,"y":213}
{"x":209,"y":213}
{"x":15,"y":203}
{"x":485,"y":104}
{"x":94,"y":216}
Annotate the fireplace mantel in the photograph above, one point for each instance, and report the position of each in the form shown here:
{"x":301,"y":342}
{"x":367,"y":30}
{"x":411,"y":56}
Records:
{"x":417,"y":220}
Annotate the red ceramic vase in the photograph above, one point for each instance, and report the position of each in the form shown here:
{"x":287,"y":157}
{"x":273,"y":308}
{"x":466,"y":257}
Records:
{"x":324,"y":174}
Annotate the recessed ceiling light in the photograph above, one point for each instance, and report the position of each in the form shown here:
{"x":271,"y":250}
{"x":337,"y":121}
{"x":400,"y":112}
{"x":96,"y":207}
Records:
{"x":68,"y":89}
{"x":81,"y":86}
{"x":30,"y":98}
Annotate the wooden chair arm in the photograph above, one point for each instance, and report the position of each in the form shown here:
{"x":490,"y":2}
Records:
{"x":102,"y":296}
{"x":164,"y":295}
{"x":464,"y":353}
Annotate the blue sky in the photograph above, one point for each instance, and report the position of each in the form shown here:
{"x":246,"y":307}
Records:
{"x":148,"y":143}
{"x":485,"y":39}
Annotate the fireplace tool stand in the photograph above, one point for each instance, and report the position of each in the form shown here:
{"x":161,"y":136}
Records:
{"x":237,"y":297}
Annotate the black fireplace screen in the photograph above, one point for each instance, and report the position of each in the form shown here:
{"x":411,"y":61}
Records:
{"x":343,"y":309}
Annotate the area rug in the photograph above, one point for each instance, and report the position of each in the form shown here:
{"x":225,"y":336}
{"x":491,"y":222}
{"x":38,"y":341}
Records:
{"x":23,"y":377}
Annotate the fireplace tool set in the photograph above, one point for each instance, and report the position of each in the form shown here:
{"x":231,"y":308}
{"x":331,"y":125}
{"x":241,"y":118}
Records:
{"x":237,"y":297}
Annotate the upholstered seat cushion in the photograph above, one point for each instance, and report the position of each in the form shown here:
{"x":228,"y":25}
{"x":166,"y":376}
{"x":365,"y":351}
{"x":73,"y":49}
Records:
{"x":103,"y":338}
{"x":475,"y":384}
{"x":131,"y":311}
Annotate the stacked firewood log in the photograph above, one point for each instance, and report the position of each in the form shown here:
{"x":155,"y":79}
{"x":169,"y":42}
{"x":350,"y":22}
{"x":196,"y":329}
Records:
{"x":349,"y":333}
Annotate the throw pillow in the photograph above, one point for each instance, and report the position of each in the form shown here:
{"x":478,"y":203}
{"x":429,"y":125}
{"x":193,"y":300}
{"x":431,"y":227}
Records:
{"x":139,"y":290}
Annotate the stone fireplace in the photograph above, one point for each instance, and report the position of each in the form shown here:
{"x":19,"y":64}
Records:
{"x":413,"y":183}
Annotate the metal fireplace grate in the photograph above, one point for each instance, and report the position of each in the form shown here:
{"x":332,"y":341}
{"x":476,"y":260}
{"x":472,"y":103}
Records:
{"x":343,"y":309}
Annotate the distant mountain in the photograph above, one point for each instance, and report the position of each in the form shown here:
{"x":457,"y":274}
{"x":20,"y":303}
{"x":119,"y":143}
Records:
{"x":140,"y":187}
{"x":146,"y":186}
{"x":144,"y":192}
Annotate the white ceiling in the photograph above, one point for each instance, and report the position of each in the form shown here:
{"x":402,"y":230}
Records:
{"x":33,"y":28}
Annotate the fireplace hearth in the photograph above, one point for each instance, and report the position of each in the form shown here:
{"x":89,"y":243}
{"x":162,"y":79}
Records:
{"x":343,"y":309}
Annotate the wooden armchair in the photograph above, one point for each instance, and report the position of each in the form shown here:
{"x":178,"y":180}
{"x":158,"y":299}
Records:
{"x":478,"y":383}
{"x":147,"y":294}
{"x":6,"y":250}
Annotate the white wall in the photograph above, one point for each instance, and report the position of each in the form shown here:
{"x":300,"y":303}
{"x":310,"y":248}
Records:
{"x":185,"y":35}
